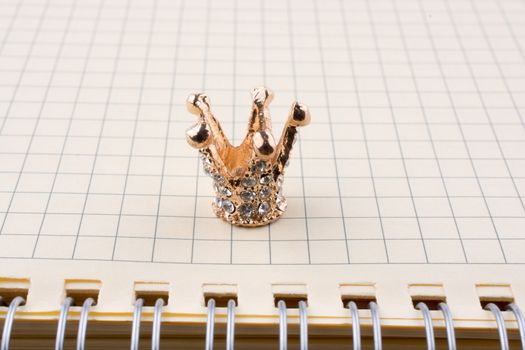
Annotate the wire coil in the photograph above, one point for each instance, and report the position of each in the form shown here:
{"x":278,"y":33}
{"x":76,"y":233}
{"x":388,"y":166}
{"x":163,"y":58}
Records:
{"x":376,"y":325}
{"x":283,"y":324}
{"x":429,"y":329}
{"x":62,"y":321}
{"x":157,"y":318}
{"x":230,"y":325}
{"x":8,"y":325}
{"x":82,"y":323}
{"x":210,"y":325}
{"x":500,"y":322}
{"x":449,"y":325}
{"x":303,"y":324}
{"x":521,"y":321}
{"x":356,"y":326}
{"x":135,"y":326}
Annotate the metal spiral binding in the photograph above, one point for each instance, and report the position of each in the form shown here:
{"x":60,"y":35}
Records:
{"x":429,"y":329}
{"x":283,"y":329}
{"x":376,"y":325}
{"x":62,"y":321}
{"x":283,"y":326}
{"x":8,"y":324}
{"x":135,"y":327}
{"x":210,"y":324}
{"x":356,"y":326}
{"x":449,"y":325}
{"x":155,"y":332}
{"x":230,"y":325}
{"x":82,"y":323}
{"x":521,"y":321}
{"x":500,"y":322}
{"x":303,"y":324}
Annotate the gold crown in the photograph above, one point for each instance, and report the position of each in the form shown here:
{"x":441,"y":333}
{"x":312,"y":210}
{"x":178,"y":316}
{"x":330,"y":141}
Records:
{"x":247,"y":178}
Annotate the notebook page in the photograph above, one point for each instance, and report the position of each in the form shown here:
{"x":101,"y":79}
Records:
{"x":415,"y":154}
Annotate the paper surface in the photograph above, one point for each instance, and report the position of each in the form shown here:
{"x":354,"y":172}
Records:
{"x":412,"y":171}
{"x":415,"y":153}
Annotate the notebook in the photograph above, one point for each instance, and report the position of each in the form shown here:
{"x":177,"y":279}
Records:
{"x":407,"y":186}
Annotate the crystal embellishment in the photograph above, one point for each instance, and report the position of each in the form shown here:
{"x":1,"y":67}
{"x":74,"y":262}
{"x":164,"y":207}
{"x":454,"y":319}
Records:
{"x":246,"y":210}
{"x":280,"y":181}
{"x":218,"y":178}
{"x":228,"y":206}
{"x":206,"y":160}
{"x":281,"y":203}
{"x":225,"y":191}
{"x":259,"y":166}
{"x":265,"y":192}
{"x":248,"y":182}
{"x":264,"y":208}
{"x":247,"y":196}
{"x":265,"y":180}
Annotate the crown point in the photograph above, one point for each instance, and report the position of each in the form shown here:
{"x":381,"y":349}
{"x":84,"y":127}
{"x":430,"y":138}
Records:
{"x":247,"y":178}
{"x":262,"y":96}
{"x":264,"y":144}
{"x":199,"y":135}
{"x":300,"y":115}
{"x":196,"y":102}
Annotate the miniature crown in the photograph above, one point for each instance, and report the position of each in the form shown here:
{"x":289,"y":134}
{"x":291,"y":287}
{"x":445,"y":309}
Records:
{"x":248,"y":178}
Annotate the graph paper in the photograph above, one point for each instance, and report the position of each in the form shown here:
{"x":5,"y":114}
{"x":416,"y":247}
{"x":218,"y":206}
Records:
{"x":415,"y":153}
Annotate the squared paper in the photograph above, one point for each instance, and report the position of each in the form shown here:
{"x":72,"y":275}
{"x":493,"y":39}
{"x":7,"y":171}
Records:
{"x":415,"y":154}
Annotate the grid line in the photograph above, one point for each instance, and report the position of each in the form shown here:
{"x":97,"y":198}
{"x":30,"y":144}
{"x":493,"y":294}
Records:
{"x":390,"y":105}
{"x":414,"y":155}
{"x":69,"y":21}
{"x":119,"y":47}
{"x":431,"y":139}
{"x":40,"y":22}
{"x":203,"y":86}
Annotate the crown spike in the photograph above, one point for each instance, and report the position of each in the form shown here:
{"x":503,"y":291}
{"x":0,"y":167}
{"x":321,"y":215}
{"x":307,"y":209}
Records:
{"x":248,"y":178}
{"x":260,"y":119}
{"x":260,"y":126}
{"x":199,"y":104}
{"x":298,"y":116}
{"x":199,"y":135}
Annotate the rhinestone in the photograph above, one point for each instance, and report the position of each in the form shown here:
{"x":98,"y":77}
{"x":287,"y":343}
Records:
{"x":259,"y":166}
{"x":264,"y":208}
{"x":246,"y":210}
{"x":228,"y":206}
{"x":287,"y":164}
{"x":247,"y":196}
{"x":218,"y":178}
{"x":248,"y":182}
{"x":205,"y":160}
{"x":225,"y":191}
{"x":215,"y":188}
{"x":265,"y":180}
{"x":280,"y":180}
{"x":265,"y":192}
{"x":281,"y":203}
{"x":218,"y":202}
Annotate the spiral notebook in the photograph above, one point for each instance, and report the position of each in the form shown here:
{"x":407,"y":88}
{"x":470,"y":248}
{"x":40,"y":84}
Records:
{"x":408,"y":186}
